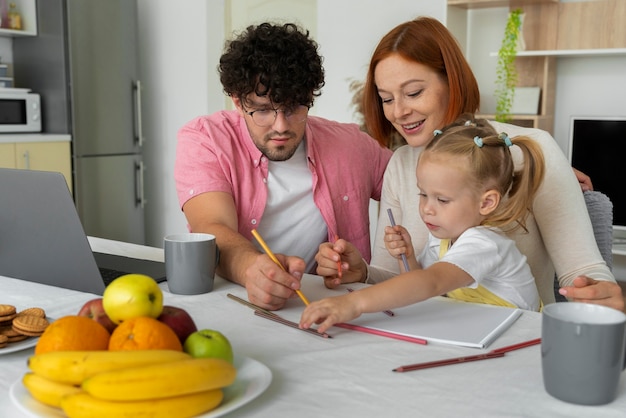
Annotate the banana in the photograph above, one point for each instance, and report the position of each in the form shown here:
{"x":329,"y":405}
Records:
{"x":161,"y":380}
{"x":47,"y":391}
{"x":73,"y":367}
{"x":84,"y":405}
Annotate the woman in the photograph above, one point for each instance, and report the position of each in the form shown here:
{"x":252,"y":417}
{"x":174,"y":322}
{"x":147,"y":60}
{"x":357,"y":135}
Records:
{"x":418,"y":81}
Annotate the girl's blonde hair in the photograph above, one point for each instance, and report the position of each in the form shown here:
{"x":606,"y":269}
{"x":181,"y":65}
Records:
{"x":491,"y":166}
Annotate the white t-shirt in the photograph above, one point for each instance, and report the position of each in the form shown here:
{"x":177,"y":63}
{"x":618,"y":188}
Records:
{"x":290,"y":191}
{"x":493,"y":261}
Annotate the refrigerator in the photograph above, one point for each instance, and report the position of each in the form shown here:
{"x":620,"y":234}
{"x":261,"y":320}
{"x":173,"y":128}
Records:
{"x":84,"y":65}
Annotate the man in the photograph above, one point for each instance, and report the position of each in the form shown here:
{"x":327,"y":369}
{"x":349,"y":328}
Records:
{"x":298,"y":180}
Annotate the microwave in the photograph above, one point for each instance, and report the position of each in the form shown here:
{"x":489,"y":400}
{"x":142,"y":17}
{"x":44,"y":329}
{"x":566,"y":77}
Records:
{"x":19,"y":112}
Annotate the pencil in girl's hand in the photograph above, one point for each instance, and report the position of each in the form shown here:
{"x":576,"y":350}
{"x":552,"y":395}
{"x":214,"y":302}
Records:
{"x":339,"y":272}
{"x":275,"y":260}
{"x":393,"y":223}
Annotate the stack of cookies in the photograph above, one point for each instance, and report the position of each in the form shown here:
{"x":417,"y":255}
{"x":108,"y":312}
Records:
{"x":17,"y":326}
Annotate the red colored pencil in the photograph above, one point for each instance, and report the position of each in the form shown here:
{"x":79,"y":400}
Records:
{"x":339,"y":271}
{"x":456,"y":360}
{"x":382,"y":333}
{"x":517,"y":346}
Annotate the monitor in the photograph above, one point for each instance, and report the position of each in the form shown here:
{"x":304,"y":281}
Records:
{"x":597,"y":147}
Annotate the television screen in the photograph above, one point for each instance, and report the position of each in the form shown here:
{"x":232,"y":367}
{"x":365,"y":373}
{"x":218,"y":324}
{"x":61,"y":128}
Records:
{"x":598,"y":148}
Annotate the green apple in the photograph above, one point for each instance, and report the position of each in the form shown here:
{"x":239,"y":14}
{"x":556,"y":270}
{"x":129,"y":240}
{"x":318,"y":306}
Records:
{"x":208,"y":343}
{"x":132,"y":295}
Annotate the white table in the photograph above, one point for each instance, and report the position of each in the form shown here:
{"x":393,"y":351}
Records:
{"x":346,"y":376}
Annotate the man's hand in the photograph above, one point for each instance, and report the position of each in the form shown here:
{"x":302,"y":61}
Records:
{"x":268,"y":285}
{"x":600,"y":292}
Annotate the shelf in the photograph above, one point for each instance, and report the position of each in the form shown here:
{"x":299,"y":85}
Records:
{"x":28,"y":11}
{"x":482,"y":4}
{"x":570,"y":53}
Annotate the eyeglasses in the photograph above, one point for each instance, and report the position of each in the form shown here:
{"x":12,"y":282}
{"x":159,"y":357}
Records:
{"x":266,"y":117}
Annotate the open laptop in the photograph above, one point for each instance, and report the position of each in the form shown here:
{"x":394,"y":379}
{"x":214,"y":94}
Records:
{"x":42,"y":238}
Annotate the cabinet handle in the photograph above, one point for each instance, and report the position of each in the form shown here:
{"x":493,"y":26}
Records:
{"x":140,"y":198}
{"x":138,"y":125}
{"x":26,"y":156}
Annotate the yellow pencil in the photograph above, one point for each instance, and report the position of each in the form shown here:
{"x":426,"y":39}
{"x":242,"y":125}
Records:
{"x":275,"y":260}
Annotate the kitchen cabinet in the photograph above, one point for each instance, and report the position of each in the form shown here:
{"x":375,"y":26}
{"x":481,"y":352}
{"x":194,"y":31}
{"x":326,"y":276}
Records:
{"x":553,"y":29}
{"x":28,"y":12}
{"x":50,"y":154}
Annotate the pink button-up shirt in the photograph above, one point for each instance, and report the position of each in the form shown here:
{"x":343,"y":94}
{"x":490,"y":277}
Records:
{"x":216,"y":154}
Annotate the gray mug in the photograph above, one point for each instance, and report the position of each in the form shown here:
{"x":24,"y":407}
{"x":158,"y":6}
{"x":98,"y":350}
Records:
{"x":583,"y":352}
{"x":190,"y":262}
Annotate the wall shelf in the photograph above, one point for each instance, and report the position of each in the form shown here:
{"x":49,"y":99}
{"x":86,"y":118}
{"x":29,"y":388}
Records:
{"x":482,"y":4}
{"x":28,"y":11}
{"x":570,"y":52}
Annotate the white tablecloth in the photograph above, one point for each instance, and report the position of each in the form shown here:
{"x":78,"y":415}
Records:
{"x":346,"y":376}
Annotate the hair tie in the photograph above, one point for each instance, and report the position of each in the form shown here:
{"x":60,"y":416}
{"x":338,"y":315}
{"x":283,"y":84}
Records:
{"x":478,"y":141}
{"x":437,"y":132}
{"x":505,"y":137}
{"x":469,"y":123}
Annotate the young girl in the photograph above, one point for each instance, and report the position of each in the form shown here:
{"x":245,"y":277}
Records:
{"x":469,"y":192}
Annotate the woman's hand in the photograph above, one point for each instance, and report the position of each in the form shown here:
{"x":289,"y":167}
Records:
{"x":330,"y":256}
{"x":586,"y":289}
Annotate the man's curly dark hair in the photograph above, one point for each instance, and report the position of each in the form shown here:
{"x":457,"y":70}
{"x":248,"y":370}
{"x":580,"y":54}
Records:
{"x":277,"y":61}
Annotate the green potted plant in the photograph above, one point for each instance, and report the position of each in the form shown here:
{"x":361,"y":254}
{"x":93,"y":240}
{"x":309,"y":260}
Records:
{"x":506,"y":73}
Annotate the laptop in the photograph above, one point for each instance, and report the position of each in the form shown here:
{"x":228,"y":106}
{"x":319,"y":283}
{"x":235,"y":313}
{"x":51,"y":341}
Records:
{"x":42,"y":238}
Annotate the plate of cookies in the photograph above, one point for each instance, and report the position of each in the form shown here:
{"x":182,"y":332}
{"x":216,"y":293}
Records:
{"x":20,"y":329}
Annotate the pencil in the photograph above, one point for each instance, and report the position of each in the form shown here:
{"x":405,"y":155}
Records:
{"x":456,"y":360}
{"x":382,"y":333}
{"x":517,"y":346}
{"x":275,"y":260}
{"x":386,"y":312}
{"x":289,"y":323}
{"x":393,"y":223}
{"x":339,"y":272}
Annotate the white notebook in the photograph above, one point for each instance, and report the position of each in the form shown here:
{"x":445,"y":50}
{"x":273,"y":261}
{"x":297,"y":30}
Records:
{"x":437,"y":320}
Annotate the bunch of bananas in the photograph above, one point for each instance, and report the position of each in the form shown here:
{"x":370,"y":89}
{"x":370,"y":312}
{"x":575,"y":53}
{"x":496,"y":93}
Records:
{"x":155,"y":383}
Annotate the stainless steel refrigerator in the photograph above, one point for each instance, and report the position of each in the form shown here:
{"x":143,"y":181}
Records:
{"x":84,"y":64}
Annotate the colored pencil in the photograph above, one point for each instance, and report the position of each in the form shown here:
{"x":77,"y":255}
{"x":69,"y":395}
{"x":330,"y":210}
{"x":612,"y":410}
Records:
{"x":249,"y":304}
{"x":393,"y":223}
{"x":339,"y":272}
{"x":289,"y":323}
{"x":275,"y":260}
{"x":386,"y":312}
{"x":382,"y":333}
{"x":517,"y":346}
{"x":456,"y":360}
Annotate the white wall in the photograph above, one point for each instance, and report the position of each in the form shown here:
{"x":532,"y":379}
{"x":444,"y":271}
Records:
{"x":180,"y":48}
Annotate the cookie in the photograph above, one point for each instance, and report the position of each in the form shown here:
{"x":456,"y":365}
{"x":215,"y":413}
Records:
{"x":17,"y":337}
{"x":7,"y":313}
{"x":4,"y":340}
{"x":30,"y":325}
{"x":38,"y":312}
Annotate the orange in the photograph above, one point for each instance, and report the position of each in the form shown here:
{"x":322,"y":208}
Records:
{"x":73,"y":332}
{"x":144,"y":333}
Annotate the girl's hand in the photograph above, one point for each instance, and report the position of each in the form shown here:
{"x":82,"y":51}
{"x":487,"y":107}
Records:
{"x":398,"y":241}
{"x":330,"y":311}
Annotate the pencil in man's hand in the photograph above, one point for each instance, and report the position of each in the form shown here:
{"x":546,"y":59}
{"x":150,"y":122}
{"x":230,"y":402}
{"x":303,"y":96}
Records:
{"x":271,"y":255}
{"x":339,"y":271}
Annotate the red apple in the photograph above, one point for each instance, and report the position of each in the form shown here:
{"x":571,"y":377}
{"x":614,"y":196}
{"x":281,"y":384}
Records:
{"x":179,"y":320}
{"x":93,"y":309}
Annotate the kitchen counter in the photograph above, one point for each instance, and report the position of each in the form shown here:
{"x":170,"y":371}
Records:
{"x":7,"y":138}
